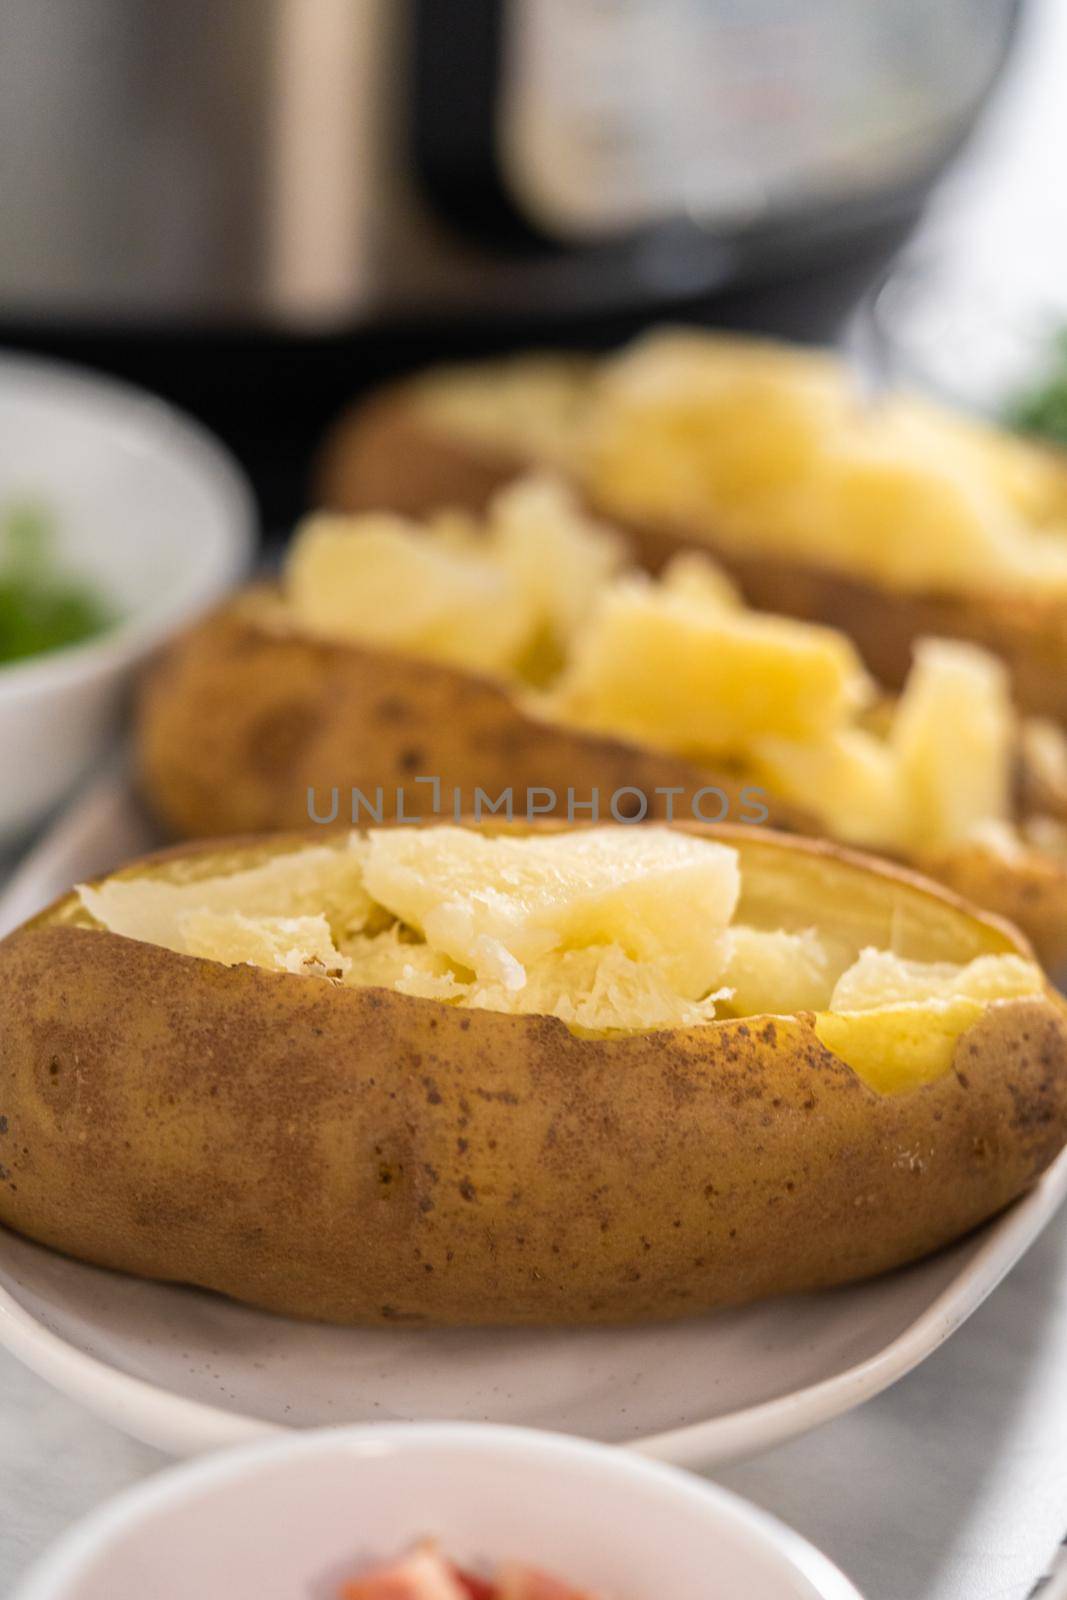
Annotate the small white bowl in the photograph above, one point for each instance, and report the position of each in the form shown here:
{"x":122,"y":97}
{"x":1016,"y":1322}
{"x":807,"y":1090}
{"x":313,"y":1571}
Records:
{"x":295,"y":1517}
{"x":150,"y":510}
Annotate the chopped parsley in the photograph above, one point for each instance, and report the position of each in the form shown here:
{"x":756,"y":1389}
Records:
{"x":1042,"y":409}
{"x":41,"y":608}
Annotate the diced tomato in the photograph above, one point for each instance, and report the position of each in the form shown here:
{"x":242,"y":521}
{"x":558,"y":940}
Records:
{"x":475,"y":1588}
{"x":425,"y":1575}
{"x":422,"y":1575}
{"x":526,"y":1583}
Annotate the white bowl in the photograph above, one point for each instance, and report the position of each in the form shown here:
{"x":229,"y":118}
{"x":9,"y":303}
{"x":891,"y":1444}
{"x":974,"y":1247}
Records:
{"x":150,"y":510}
{"x":294,"y":1518}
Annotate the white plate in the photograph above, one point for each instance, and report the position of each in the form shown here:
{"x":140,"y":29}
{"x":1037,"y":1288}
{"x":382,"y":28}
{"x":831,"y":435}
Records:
{"x":187,"y":1371}
{"x":326,"y":1504}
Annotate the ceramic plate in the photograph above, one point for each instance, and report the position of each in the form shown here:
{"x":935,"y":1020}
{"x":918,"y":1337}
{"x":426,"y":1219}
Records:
{"x":186,"y":1371}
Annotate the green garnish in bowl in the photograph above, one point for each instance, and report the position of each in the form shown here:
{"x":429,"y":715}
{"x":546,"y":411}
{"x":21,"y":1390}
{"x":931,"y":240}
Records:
{"x":1042,"y":409}
{"x":41,"y":608}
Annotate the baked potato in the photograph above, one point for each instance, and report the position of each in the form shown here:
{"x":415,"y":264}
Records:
{"x":420,"y":671}
{"x":508,"y":1075}
{"x":894,"y":520}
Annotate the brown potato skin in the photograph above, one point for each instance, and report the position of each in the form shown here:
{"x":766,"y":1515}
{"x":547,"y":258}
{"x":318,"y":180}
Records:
{"x":383,"y":455}
{"x":237,"y":722}
{"x":360,"y":1156}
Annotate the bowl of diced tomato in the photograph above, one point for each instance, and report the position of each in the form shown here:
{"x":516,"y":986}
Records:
{"x":435,"y":1511}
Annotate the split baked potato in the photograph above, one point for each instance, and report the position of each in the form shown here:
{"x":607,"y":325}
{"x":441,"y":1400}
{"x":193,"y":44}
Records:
{"x":491,"y":1075}
{"x":414,"y":671}
{"x":893,"y":519}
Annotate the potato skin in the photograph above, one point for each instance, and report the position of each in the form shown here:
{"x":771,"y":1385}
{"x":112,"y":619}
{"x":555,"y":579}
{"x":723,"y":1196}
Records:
{"x":380,"y":455}
{"x":361,"y":1156}
{"x":383,"y":455}
{"x":237,"y":722}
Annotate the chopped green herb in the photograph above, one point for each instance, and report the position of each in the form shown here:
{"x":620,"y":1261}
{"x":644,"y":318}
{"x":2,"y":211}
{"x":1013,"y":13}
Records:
{"x":40,"y":607}
{"x":1042,"y":409}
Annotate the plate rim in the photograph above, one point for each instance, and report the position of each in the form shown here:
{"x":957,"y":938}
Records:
{"x":180,"y":1426}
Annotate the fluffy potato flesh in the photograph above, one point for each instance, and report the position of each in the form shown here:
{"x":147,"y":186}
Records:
{"x":786,"y":703}
{"x":939,"y":772}
{"x":612,"y":930}
{"x":386,"y":585}
{"x":537,"y":403}
{"x":321,"y":883}
{"x":679,"y":664}
{"x":672,"y":667}
{"x":772,"y":448}
{"x":503,"y":598}
{"x":953,"y":735}
{"x":494,"y":905}
{"x":852,"y":779}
